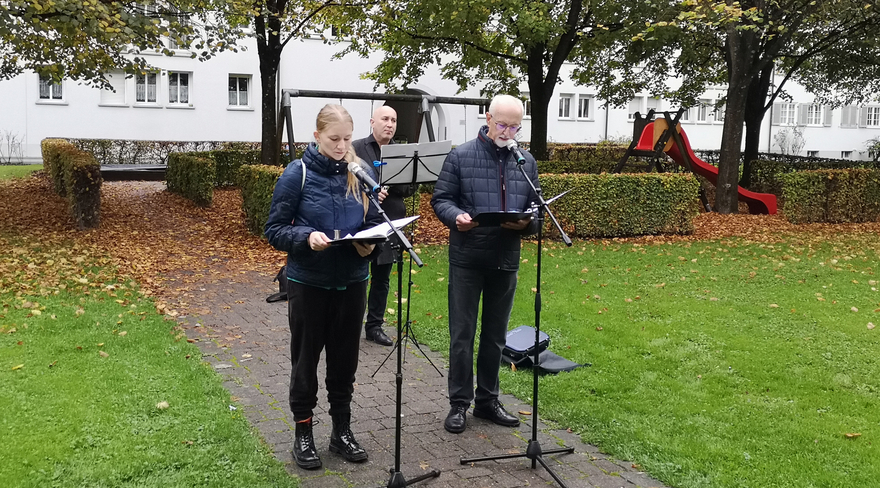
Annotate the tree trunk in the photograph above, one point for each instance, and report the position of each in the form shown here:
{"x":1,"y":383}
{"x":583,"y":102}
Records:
{"x":739,"y":52}
{"x":540,"y":104}
{"x":754,"y":116}
{"x":269,"y":50}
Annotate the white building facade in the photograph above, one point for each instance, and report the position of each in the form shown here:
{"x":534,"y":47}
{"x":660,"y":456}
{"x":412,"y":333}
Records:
{"x":219,"y":100}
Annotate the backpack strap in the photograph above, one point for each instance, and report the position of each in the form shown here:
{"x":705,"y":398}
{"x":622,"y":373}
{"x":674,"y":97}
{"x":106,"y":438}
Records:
{"x":303,"y":163}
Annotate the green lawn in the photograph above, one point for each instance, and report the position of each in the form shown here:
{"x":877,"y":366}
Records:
{"x":722,"y":364}
{"x":18,"y":170}
{"x":85,"y":366}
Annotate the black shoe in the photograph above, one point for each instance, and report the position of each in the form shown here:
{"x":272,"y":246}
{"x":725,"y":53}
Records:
{"x":342,"y":440}
{"x":456,"y":421}
{"x":496,"y":413}
{"x":304,"y":452}
{"x":377,"y":335}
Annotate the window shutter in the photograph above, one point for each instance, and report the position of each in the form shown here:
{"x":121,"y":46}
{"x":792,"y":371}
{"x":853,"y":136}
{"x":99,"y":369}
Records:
{"x":803,"y":110}
{"x":845,"y":114}
{"x":777,"y":114}
{"x":828,"y":115}
{"x":863,"y":117}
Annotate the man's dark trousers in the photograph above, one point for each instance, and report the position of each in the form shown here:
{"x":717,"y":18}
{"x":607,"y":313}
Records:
{"x":497,"y":288}
{"x":380,"y":283}
{"x":324,"y":324}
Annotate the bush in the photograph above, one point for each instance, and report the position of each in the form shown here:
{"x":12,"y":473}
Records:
{"x":82,"y":178}
{"x":257,"y":183}
{"x":75,"y":175}
{"x":834,"y":196}
{"x":228,"y":162}
{"x":192,"y":176}
{"x":590,"y":154}
{"x":766,"y":174}
{"x":122,"y":151}
{"x":620,"y":205}
{"x":51,"y":149}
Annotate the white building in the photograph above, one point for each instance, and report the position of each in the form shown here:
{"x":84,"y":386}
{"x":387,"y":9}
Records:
{"x":220,"y":100}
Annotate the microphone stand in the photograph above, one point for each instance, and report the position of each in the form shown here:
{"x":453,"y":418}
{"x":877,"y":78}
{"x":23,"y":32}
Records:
{"x":534,"y":451}
{"x":397,"y":480}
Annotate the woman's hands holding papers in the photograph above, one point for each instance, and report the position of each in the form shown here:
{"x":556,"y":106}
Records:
{"x":318,"y":241}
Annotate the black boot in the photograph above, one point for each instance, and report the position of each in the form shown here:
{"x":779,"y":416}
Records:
{"x":342,"y":440}
{"x":304,"y":451}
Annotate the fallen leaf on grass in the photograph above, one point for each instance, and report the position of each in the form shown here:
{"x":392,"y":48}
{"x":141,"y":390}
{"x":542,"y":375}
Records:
{"x":870,"y":325}
{"x":525,"y":412}
{"x":599,"y":328}
{"x":162,"y":405}
{"x":103,"y":354}
{"x":773,"y":305}
{"x":53,"y":363}
{"x":17,"y":367}
{"x":123,"y":333}
{"x":512,"y":367}
{"x":852,"y":435}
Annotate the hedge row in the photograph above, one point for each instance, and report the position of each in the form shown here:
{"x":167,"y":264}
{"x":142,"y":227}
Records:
{"x":586,"y":153}
{"x":767,"y":174}
{"x":257,"y":183}
{"x":834,"y":196}
{"x":192,"y":176}
{"x":123,"y":151}
{"x":618,"y":205}
{"x":76,"y":175}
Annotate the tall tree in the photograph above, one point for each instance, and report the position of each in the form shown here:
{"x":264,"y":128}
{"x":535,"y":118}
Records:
{"x":747,"y":41}
{"x":276,"y":23}
{"x":85,"y":39}
{"x":494,"y":44}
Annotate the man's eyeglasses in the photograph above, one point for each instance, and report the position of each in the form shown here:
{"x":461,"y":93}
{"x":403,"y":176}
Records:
{"x":503,"y":128}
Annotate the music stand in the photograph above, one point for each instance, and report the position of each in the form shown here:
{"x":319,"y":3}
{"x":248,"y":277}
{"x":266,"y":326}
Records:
{"x":534,"y":451}
{"x":401,"y":166}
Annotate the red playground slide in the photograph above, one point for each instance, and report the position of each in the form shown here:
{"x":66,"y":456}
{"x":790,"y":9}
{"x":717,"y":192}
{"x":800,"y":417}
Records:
{"x":759,"y":203}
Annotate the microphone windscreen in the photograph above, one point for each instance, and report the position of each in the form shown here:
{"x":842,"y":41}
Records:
{"x":511,"y":144}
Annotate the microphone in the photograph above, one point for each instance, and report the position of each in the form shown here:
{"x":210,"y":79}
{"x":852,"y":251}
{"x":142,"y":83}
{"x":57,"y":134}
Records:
{"x":513,"y":146}
{"x":362,"y":175}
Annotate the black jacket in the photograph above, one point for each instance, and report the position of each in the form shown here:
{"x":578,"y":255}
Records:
{"x":319,"y":204}
{"x":478,"y":176}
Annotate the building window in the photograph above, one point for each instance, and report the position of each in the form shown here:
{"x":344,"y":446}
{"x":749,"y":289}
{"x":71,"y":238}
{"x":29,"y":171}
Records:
{"x":145,"y":88}
{"x":718,"y":111}
{"x":812,"y":154}
{"x":652,"y":103}
{"x":238,"y":90}
{"x":584,"y":111}
{"x":786,"y":113}
{"x":565,"y":106}
{"x":814,"y":114}
{"x":50,"y":90}
{"x":635,"y":106}
{"x":116,"y":96}
{"x":178,"y":88}
{"x":527,"y":106}
{"x":481,"y":111}
{"x":703,"y":110}
{"x":873,"y":117}
{"x":845,"y":154}
{"x":685,"y":115}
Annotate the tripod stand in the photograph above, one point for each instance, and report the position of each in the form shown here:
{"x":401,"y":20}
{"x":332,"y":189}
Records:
{"x":534,"y":451}
{"x":397,"y":479}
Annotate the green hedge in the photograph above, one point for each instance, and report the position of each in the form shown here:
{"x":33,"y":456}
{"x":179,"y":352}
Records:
{"x":586,"y":153}
{"x":75,"y":175}
{"x":192,"y":176}
{"x":257,"y":183}
{"x":766,"y":174}
{"x":834,"y":196}
{"x":620,"y":205}
{"x":124,"y":151}
{"x":51,"y":149}
{"x":228,"y":163}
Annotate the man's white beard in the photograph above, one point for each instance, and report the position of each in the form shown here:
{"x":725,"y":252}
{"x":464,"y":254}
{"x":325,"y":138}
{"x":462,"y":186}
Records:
{"x":501,"y":142}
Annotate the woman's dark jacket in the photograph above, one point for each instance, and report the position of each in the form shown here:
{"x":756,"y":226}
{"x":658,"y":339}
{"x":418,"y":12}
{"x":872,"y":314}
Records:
{"x":478,"y":176}
{"x":319,"y":204}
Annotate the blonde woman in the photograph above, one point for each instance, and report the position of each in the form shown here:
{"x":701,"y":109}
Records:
{"x":327,"y":283}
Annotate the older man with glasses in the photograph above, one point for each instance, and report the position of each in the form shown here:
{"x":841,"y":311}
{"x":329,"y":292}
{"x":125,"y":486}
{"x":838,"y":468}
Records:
{"x":479,"y":176}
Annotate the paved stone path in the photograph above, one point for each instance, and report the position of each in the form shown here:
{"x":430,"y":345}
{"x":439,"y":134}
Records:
{"x":247,"y":342}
